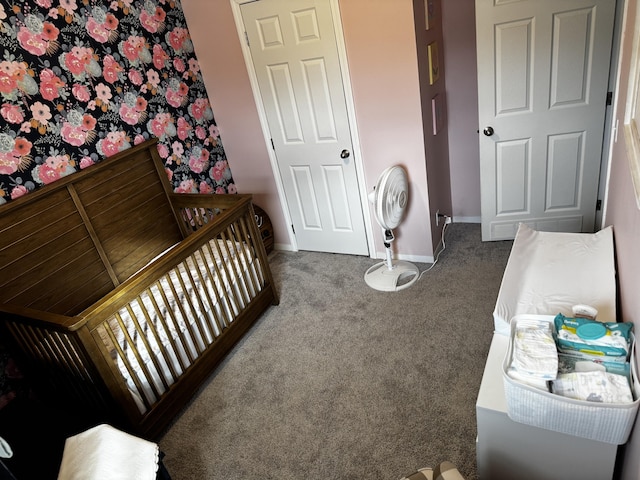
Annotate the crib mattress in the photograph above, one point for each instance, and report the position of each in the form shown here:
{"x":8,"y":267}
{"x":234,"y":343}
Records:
{"x":192,"y":333}
{"x":549,"y":272}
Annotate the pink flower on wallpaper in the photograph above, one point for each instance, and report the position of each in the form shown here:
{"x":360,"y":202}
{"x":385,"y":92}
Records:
{"x":201,"y":133}
{"x":69,"y":6}
{"x":40,"y":112}
{"x":77,"y":60}
{"x":103,"y":92}
{"x":47,"y":174}
{"x":178,"y":64}
{"x":177,"y":148}
{"x":213,"y":131}
{"x":205,"y":187}
{"x":86,"y":162}
{"x":75,"y":135}
{"x":12,"y":113}
{"x":44,"y":3}
{"x":138,"y":139}
{"x":102,"y":30}
{"x":50,"y":84}
{"x":231,"y":188}
{"x":199,"y":160}
{"x":163,"y":151}
{"x":194,"y":66}
{"x":199,"y":108}
{"x":111,"y":69}
{"x":7,"y":83}
{"x":159,"y":57}
{"x":132,"y":47}
{"x":38,"y":37}
{"x":141,"y":104}
{"x":153,"y":78}
{"x":218,"y":170}
{"x":183,"y":128}
{"x":129,"y":114}
{"x":179,"y":39}
{"x":135,"y":77}
{"x":187,"y":186}
{"x":9,"y":163}
{"x":18,"y":191}
{"x":220,"y":191}
{"x":152,"y":22}
{"x":81,"y":93}
{"x":113,"y":143}
{"x":160,"y":124}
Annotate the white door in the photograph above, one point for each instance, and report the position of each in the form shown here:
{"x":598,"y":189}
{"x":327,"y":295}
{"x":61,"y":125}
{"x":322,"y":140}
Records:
{"x":543,"y":69}
{"x":294,"y":53}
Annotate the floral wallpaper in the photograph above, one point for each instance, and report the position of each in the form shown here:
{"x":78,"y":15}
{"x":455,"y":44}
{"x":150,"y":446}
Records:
{"x":81,"y":80}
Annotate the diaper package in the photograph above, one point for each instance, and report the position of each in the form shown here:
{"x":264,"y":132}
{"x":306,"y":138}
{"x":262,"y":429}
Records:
{"x":597,"y":386}
{"x":610,"y":341}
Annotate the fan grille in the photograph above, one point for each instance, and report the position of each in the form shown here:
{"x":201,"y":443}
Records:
{"x":391,"y":197}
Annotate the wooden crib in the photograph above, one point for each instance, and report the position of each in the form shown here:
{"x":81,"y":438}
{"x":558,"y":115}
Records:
{"x":122,"y":296}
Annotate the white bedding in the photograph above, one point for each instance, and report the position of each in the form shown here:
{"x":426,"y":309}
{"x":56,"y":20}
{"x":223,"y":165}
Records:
{"x":199,"y":316}
{"x":542,"y":276}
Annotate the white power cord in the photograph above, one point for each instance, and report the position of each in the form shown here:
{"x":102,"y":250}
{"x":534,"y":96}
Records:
{"x":447,"y":221}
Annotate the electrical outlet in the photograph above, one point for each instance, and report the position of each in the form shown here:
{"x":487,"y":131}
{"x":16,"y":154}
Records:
{"x":437,"y":217}
{"x":447,"y":220}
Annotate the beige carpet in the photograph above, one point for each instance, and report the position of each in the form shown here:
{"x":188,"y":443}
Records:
{"x":344,"y":382}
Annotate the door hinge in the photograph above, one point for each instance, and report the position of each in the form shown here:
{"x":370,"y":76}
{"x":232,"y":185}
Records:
{"x":599,"y":205}
{"x":609,"y":98}
{"x":246,"y":37}
{"x":293,"y":229}
{"x":273,"y":147}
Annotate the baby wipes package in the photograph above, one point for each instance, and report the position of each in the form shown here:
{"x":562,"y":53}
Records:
{"x":610,"y":341}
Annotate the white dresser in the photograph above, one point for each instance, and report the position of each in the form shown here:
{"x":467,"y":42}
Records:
{"x":507,"y":450}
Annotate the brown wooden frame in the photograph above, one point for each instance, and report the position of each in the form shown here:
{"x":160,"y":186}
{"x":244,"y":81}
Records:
{"x":76,"y":254}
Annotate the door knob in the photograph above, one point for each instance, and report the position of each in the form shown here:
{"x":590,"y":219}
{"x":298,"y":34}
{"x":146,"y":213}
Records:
{"x":345,"y":153}
{"x":488,"y":131}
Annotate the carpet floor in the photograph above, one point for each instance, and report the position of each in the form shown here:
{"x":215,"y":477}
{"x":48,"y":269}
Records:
{"x":343,"y":382}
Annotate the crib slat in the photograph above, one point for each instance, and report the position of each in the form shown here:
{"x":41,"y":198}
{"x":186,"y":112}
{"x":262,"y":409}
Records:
{"x":181,"y":308}
{"x":176,"y":325}
{"x":208,"y":282}
{"x":225,"y":301}
{"x":170,"y":337}
{"x":132,"y":371}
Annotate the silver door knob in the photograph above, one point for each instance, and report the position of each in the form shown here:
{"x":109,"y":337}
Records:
{"x":488,"y":131}
{"x":345,"y":153}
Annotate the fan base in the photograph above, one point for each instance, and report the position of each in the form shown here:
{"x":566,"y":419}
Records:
{"x":401,"y":275}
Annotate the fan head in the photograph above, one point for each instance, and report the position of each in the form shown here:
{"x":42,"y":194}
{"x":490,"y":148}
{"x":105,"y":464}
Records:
{"x":391,"y":197}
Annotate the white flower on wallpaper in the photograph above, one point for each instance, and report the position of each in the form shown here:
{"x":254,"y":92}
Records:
{"x":81,"y":80}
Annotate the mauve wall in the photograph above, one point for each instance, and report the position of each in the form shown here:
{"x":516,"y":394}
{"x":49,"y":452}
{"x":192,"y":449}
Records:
{"x":381,"y":51}
{"x":459,"y":31}
{"x":622,"y":212}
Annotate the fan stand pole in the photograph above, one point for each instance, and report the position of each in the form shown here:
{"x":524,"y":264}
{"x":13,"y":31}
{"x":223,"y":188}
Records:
{"x":390,"y":276}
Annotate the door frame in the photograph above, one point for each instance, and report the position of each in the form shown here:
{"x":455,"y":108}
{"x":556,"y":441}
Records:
{"x":355,"y":141}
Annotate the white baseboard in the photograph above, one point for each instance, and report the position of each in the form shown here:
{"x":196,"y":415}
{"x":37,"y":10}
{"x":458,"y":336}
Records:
{"x":467,"y":219}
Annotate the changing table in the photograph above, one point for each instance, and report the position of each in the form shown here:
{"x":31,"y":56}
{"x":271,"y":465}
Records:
{"x":547,"y":273}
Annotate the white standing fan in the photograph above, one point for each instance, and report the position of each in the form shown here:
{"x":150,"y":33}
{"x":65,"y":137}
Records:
{"x":389,"y":198}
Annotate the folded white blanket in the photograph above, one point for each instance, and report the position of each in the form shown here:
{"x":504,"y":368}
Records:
{"x":105,"y":453}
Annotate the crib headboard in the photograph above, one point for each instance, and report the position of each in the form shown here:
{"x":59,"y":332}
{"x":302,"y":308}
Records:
{"x":86,"y":233}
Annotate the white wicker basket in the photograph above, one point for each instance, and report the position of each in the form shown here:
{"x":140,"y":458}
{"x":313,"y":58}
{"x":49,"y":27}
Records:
{"x":608,"y":423}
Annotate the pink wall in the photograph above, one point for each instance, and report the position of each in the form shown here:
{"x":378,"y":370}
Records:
{"x":622,"y":212}
{"x":459,"y":31}
{"x":381,"y":50}
{"x":217,"y":47}
{"x":384,"y":77}
{"x":436,"y":146}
